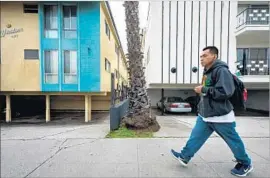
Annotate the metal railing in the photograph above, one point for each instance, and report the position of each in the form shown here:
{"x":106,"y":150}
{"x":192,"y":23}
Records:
{"x":253,"y":66}
{"x":253,"y":16}
{"x":119,"y":93}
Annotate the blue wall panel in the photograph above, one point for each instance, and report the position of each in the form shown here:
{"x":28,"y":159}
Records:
{"x":71,"y":44}
{"x":50,"y":44}
{"x":89,"y":24}
{"x":87,"y":45}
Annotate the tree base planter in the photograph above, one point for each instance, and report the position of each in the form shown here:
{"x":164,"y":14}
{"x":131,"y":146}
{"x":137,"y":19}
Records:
{"x":124,"y":132}
{"x":141,"y":121}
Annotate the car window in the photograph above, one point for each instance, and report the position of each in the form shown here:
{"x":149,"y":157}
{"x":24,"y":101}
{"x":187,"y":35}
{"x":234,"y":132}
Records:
{"x":164,"y":99}
{"x":175,"y":99}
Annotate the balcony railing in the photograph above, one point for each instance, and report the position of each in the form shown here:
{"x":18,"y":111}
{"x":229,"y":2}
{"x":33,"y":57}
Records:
{"x":254,"y":67}
{"x":253,"y":16}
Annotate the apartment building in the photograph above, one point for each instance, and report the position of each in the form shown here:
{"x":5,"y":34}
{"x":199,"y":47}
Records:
{"x":60,"y":54}
{"x":178,"y":30}
{"x":253,"y":50}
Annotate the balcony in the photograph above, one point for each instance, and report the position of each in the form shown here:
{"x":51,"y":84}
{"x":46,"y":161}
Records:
{"x":253,"y":21}
{"x":254,"y":73}
{"x":253,"y":61}
{"x":253,"y":67}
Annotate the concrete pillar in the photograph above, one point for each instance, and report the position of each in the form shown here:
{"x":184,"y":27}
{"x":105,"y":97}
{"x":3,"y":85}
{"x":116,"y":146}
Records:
{"x":48,"y":108}
{"x":88,"y":108}
{"x":8,"y":108}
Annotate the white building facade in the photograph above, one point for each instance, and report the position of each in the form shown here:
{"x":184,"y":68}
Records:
{"x":177,"y":32}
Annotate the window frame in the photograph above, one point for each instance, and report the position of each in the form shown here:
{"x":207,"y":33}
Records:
{"x":44,"y":68}
{"x":107,"y":62}
{"x":70,"y":29}
{"x":31,"y":58}
{"x":70,"y":73}
{"x":107,"y":30}
{"x":116,"y":73}
{"x":57,"y":19}
{"x":246,"y":64}
{"x":116,"y":49}
{"x":31,"y":10}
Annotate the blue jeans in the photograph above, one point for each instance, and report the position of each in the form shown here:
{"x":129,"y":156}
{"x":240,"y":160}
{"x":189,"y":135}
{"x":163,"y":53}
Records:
{"x":203,"y":130}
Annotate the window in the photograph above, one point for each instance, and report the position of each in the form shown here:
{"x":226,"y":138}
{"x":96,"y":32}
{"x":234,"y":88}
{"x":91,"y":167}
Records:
{"x":116,"y":49}
{"x":30,"y":8}
{"x":31,"y":54}
{"x":70,"y":21}
{"x":107,"y":30}
{"x":51,"y":23}
{"x":107,"y":65}
{"x":70,"y":69}
{"x":265,"y":6}
{"x":175,"y":99}
{"x":253,"y":61}
{"x":51,"y":66}
{"x":116,"y":73}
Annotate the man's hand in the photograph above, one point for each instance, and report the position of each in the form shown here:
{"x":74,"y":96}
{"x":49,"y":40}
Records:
{"x":198,"y":89}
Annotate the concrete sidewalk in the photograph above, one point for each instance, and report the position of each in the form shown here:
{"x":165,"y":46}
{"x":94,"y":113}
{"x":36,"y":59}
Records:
{"x":179,"y":126}
{"x":80,"y":154}
{"x":123,"y":158}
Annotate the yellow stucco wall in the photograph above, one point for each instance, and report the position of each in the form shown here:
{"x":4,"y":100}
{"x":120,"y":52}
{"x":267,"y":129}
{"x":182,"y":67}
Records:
{"x":108,"y":51}
{"x":18,"y":74}
{"x":99,"y":103}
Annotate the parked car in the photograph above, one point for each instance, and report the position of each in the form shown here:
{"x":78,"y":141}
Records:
{"x":174,"y":104}
{"x":193,"y":101}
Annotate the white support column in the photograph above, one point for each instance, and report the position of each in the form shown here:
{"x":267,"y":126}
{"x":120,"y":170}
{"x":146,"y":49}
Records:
{"x":8,"y":108}
{"x":48,"y":108}
{"x":88,"y":108}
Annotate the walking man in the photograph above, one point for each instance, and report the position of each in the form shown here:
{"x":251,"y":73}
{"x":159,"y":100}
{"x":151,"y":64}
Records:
{"x":215,"y":113}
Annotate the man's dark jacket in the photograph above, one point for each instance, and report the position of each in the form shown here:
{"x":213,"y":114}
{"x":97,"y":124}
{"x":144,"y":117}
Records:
{"x":218,"y":87}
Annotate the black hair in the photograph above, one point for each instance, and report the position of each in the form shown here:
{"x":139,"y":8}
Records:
{"x":212,"y":49}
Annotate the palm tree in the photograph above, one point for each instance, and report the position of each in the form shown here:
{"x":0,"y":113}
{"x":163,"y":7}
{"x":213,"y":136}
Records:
{"x":139,"y":116}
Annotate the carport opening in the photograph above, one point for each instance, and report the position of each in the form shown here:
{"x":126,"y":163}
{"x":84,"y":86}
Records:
{"x":67,"y":108}
{"x":71,"y":108}
{"x":2,"y":107}
{"x":190,"y":97}
{"x":28,"y":107}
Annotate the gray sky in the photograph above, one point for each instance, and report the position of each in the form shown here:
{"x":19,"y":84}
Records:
{"x":118,"y":12}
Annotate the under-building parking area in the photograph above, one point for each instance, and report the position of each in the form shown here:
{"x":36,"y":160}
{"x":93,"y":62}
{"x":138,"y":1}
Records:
{"x":22,"y":106}
{"x":257,"y":104}
{"x":27,"y":106}
{"x":53,"y":109}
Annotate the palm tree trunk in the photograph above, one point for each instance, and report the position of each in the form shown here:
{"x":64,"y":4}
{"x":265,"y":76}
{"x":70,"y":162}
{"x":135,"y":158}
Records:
{"x":140,"y":106}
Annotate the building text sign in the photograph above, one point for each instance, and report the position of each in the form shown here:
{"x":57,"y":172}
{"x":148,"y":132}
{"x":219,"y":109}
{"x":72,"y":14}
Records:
{"x":13,"y":32}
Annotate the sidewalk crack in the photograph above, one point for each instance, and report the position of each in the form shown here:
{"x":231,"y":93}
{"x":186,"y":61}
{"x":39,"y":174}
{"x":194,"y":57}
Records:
{"x":258,"y":154}
{"x":138,"y":160}
{"x":60,"y":148}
